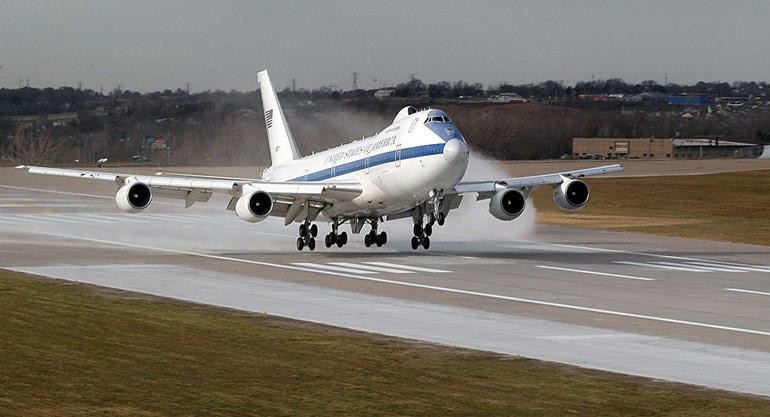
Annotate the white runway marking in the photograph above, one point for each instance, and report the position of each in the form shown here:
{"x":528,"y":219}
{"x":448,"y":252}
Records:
{"x":409,"y":267}
{"x":333,"y":268}
{"x":372,"y":268}
{"x":429,"y":287}
{"x":581,"y":271}
{"x":747,"y":291}
{"x":655,"y":265}
{"x":717,"y":268}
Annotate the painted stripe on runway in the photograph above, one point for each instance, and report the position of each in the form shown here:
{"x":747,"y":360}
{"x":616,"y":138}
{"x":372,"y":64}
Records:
{"x":81,"y":218}
{"x":424,"y":286}
{"x":409,"y":267}
{"x":747,"y":291}
{"x":651,"y":265}
{"x":717,"y":268}
{"x":372,"y":268}
{"x":333,"y":268}
{"x":654,"y":255}
{"x":747,"y":267}
{"x":582,"y":271}
{"x":682,"y":266}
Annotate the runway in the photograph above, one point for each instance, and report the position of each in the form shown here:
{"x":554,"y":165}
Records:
{"x":681,"y":310}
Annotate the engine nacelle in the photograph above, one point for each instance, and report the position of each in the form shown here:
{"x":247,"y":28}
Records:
{"x":571,"y":195}
{"x":134,"y":197}
{"x":507,"y":204}
{"x":254,"y":206}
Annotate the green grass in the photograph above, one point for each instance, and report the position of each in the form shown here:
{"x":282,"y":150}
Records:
{"x":733,"y":207}
{"x":75,"y":350}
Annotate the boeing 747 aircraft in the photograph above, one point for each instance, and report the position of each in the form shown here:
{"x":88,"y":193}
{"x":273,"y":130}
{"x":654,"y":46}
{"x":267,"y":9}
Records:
{"x":411,"y":169}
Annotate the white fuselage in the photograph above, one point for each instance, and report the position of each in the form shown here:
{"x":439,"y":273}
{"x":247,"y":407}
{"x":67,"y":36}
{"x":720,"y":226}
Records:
{"x":407,"y":163}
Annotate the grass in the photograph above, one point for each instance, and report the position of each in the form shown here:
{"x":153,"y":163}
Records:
{"x":68,"y":349}
{"x":730,"y":207}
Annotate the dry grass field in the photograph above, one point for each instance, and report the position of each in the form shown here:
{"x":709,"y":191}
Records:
{"x":732,"y":207}
{"x":74,"y":350}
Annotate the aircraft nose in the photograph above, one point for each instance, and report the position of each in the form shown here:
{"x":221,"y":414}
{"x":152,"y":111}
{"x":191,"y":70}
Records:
{"x":455,"y":152}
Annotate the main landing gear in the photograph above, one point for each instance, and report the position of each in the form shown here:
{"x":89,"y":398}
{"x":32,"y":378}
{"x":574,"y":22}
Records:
{"x":372,"y":238}
{"x":422,"y":232}
{"x":307,"y":234}
{"x":335,"y":238}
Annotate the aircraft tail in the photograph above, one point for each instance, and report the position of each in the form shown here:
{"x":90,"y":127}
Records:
{"x":282,"y":146}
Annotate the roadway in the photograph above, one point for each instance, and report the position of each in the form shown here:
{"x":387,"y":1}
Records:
{"x":681,"y":310}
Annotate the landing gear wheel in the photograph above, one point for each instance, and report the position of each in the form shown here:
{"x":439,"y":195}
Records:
{"x":342,"y":239}
{"x":314,"y":230}
{"x":311,"y":244}
{"x":303,"y":230}
{"x":428,"y":229}
{"x":425,"y":242}
{"x":376,"y":239}
{"x":382,"y":238}
{"x":441,"y":219}
{"x":300,"y":243}
{"x":417,"y":229}
{"x":415,"y":242}
{"x":328,"y":240}
{"x":431,"y":219}
{"x":368,"y":240}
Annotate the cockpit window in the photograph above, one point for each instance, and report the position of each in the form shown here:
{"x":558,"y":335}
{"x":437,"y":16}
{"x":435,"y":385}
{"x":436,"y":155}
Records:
{"x":438,"y":119}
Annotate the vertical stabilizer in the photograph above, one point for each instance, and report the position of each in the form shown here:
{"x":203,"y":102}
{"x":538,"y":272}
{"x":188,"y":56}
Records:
{"x":282,"y":147}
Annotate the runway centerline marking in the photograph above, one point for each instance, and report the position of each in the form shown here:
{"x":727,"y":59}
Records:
{"x":429,"y":287}
{"x":583,"y":271}
{"x":372,"y":268}
{"x":747,"y":291}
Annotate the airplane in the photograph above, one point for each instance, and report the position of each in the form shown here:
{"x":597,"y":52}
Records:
{"x":412,"y":168}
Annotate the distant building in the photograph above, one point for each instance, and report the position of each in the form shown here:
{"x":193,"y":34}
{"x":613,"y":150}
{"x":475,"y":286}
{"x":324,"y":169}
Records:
{"x":651,"y":148}
{"x":689,"y":100}
{"x":384,"y":93}
{"x":507,"y":98}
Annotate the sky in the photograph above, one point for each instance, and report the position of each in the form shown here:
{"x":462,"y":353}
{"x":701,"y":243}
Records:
{"x":164,"y":44}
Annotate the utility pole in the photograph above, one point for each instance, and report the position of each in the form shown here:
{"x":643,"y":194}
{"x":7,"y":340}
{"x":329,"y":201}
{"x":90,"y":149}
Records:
{"x":355,"y":80}
{"x":187,"y":88}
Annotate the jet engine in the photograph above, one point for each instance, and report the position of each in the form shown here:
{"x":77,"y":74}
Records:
{"x":134,"y":197}
{"x":254,"y":206}
{"x":571,"y":195}
{"x":507,"y":204}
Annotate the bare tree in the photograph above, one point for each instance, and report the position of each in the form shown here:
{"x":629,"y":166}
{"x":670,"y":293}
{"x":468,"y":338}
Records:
{"x":34,"y":146}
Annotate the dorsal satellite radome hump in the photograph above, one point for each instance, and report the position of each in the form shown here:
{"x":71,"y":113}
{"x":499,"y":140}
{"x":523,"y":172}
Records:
{"x":406,"y":111}
{"x":282,"y":146}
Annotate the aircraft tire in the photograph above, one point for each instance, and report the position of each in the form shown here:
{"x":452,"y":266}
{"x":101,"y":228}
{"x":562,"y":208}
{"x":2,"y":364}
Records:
{"x":417,"y":229}
{"x":343,"y":239}
{"x":314,"y":230}
{"x":415,"y":242}
{"x":300,"y":243}
{"x":368,"y":240}
{"x":328,"y":240}
{"x":383,"y":238}
{"x":428,"y":229}
{"x":303,"y":230}
{"x":441,"y":219}
{"x":311,"y":244}
{"x":425,"y":242}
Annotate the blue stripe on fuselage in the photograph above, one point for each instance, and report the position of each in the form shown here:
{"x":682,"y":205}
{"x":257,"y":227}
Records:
{"x":374,"y":160}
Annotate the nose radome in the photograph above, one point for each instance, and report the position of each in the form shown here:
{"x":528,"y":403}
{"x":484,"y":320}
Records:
{"x":455,"y":152}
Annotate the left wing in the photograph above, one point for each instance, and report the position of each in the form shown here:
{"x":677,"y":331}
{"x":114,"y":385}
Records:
{"x":289,"y":199}
{"x":484,"y":188}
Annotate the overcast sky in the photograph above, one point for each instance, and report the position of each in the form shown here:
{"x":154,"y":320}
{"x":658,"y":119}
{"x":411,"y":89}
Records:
{"x":154,"y":45}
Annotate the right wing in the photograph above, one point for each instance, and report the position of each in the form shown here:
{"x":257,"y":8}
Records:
{"x":291,"y":199}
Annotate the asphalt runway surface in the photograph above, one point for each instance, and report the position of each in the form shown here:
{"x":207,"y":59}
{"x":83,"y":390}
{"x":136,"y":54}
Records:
{"x":682,"y":310}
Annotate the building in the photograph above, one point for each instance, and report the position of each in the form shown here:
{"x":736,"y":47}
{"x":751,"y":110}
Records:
{"x":622,"y":148}
{"x":651,"y":148}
